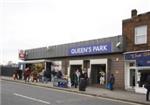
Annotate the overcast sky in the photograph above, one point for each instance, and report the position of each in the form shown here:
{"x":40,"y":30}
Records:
{"x":27,"y":24}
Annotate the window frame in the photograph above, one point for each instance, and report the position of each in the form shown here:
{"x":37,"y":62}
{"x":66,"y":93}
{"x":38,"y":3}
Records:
{"x":136,"y":34}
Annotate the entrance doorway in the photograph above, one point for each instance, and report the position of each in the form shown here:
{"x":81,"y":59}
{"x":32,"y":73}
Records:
{"x":132,"y":77}
{"x":98,"y":74}
{"x":48,"y":69}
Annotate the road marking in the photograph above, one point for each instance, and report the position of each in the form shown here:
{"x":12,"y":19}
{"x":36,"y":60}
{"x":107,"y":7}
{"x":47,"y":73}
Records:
{"x":30,"y":98}
{"x":64,"y":91}
{"x":87,"y":95}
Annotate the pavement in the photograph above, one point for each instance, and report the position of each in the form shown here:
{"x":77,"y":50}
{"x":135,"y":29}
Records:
{"x":93,"y":91}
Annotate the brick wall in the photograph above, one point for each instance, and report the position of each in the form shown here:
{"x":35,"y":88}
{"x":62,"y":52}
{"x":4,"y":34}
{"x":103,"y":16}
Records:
{"x":128,"y":26}
{"x":118,"y":71}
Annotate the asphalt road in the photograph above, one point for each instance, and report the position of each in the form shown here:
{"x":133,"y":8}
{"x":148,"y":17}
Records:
{"x":23,"y":94}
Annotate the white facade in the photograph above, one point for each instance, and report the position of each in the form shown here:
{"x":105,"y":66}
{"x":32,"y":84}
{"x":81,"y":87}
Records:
{"x":135,"y":75}
{"x":91,"y":63}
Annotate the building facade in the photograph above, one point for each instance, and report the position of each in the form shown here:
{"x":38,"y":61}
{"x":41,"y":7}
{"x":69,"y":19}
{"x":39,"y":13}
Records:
{"x":96,"y":57}
{"x":127,"y":56}
{"x":136,"y":35}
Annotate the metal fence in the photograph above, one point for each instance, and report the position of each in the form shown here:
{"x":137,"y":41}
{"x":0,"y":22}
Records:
{"x":7,"y":71}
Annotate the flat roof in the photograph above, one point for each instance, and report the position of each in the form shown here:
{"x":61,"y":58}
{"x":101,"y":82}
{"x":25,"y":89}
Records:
{"x":36,"y":61}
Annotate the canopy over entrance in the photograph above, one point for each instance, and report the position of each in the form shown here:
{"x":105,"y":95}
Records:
{"x":35,"y":61}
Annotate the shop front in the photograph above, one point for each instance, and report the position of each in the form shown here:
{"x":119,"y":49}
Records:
{"x":95,"y":57}
{"x":96,"y":68}
{"x":37,"y":65}
{"x":137,"y":68}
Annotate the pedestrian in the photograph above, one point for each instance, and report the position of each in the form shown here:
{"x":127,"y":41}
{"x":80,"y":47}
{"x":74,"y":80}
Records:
{"x":102,"y":78}
{"x":15,"y":75}
{"x":111,"y":82}
{"x":75,"y":80}
{"x":85,"y":77}
{"x":59,"y":74}
{"x":59,"y":77}
{"x":27,"y":74}
{"x":147,"y":86}
{"x":78,"y":74}
{"x":35,"y":76}
{"x":46,"y":76}
{"x":41,"y":75}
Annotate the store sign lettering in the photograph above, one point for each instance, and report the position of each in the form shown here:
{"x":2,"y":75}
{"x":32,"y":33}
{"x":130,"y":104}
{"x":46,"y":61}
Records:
{"x":22,"y":54}
{"x":93,"y":49}
{"x":142,"y":58}
{"x":131,"y":56}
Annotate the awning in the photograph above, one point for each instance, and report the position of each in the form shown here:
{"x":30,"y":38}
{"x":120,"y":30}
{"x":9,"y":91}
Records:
{"x":36,"y":61}
{"x":136,"y":51}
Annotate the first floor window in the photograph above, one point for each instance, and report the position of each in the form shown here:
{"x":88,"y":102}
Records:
{"x":141,"y":34}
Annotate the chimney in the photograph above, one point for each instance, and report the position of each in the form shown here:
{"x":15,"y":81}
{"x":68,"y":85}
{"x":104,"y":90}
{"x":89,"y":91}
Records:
{"x":133,"y":13}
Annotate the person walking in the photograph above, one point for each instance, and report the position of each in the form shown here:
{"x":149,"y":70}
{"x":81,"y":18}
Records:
{"x":41,"y":76}
{"x":111,"y":82}
{"x":46,"y":76}
{"x":147,"y":86}
{"x":78,"y":74}
{"x":75,"y":80}
{"x":35,"y":76}
{"x":15,"y":75}
{"x":27,"y":74}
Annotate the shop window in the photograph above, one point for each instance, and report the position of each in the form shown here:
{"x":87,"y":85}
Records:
{"x":143,"y":77}
{"x":141,"y":35}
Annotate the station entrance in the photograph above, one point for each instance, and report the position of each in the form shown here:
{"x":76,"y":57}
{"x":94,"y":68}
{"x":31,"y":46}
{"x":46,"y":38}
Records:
{"x":98,"y":74}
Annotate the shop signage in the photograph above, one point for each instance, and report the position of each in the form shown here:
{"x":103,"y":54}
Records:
{"x":91,"y":49}
{"x":22,"y":54}
{"x":142,"y":58}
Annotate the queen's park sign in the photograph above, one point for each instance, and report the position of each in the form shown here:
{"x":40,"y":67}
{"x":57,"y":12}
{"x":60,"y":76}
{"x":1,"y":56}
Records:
{"x":90,"y":49}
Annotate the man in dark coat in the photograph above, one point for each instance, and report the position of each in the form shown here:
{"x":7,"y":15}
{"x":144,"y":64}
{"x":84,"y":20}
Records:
{"x":147,"y":86}
{"x":111,"y":81}
{"x":46,"y":76}
{"x":75,"y":80}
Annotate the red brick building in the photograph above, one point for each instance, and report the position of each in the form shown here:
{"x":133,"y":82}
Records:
{"x":136,"y":35}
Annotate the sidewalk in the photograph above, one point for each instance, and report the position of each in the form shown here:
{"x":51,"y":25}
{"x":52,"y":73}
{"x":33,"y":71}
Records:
{"x":99,"y":92}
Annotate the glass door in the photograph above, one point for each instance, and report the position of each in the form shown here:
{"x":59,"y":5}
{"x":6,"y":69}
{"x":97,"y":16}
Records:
{"x":132,"y":77}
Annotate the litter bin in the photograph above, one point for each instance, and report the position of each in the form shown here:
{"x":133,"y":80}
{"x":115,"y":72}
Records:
{"x":82,"y":85}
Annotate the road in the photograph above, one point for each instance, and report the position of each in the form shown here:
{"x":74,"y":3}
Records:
{"x":22,"y":94}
